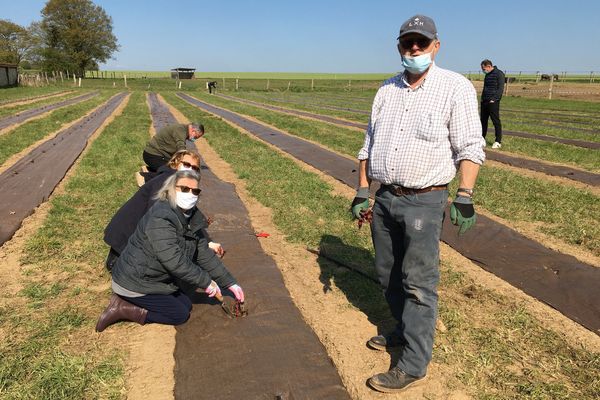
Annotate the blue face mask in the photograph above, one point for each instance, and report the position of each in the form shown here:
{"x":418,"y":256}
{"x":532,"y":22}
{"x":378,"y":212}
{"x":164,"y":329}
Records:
{"x":192,"y":139}
{"x":418,"y":64}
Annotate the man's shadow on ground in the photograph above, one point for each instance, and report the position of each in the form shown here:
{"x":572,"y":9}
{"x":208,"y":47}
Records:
{"x":352,"y":270}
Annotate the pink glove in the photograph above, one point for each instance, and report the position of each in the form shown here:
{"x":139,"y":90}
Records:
{"x":237,"y":292}
{"x":212,"y":289}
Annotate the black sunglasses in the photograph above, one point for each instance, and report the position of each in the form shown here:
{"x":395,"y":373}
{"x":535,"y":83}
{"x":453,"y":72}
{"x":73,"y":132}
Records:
{"x":422,"y":43}
{"x":188,"y":165}
{"x":186,"y":189}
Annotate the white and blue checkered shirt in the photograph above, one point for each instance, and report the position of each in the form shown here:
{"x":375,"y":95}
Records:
{"x":416,"y":137}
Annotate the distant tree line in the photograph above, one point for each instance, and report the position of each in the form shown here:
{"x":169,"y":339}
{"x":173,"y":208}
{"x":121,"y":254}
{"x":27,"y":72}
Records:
{"x":73,"y":35}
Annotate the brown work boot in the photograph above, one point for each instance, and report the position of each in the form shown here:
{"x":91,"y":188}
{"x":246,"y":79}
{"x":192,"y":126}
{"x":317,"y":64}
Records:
{"x":120,"y":310}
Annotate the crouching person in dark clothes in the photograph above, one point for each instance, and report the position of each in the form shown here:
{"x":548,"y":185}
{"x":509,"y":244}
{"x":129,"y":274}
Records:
{"x":123,"y":223}
{"x":168,"y":244}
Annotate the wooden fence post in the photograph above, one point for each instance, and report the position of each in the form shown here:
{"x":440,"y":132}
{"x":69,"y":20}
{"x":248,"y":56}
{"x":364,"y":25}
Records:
{"x":312,"y":84}
{"x":289,"y":83}
{"x":79,"y":82}
{"x":125,"y":79}
{"x":550,"y":88}
{"x":237,"y":84}
{"x":223,"y":83}
{"x":268,"y":81}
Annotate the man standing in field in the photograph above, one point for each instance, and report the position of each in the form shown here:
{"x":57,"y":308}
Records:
{"x":424,"y":126}
{"x":168,"y":141}
{"x":493,"y":87}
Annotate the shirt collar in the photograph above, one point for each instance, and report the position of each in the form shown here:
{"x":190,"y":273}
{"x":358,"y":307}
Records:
{"x":423,"y":85}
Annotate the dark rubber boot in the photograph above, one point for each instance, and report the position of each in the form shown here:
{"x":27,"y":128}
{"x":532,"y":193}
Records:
{"x":120,"y":310}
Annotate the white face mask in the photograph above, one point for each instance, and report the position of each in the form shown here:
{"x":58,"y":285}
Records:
{"x":184,"y":168}
{"x":186,"y":201}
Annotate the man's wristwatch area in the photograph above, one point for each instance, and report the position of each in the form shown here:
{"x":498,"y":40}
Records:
{"x":466,"y":191}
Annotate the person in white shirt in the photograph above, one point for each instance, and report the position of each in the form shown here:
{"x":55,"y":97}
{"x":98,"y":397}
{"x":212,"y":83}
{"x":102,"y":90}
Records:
{"x":424,"y":127}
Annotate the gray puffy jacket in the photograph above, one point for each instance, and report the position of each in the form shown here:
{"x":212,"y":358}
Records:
{"x":166,"y":246}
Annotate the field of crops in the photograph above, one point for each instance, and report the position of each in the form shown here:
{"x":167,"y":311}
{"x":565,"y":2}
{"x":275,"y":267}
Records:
{"x":498,"y":337}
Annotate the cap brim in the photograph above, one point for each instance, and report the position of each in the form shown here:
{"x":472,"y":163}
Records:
{"x":428,"y":35}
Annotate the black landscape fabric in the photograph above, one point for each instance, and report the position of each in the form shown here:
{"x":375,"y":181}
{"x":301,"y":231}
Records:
{"x":270,"y":354}
{"x":559,"y":280}
{"x":31,"y":180}
{"x":25,"y":115}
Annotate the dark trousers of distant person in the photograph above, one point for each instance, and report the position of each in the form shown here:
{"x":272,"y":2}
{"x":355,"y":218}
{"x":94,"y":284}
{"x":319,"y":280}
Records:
{"x":167,"y":309}
{"x":491,"y":110}
{"x":154,"y":162}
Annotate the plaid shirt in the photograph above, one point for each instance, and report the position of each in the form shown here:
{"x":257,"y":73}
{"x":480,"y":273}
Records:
{"x":416,"y":137}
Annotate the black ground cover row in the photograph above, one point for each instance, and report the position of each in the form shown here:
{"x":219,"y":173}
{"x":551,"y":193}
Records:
{"x":270,"y":354}
{"x":25,"y":115}
{"x":588,"y":178}
{"x":31,"y":180}
{"x":557,"y":279}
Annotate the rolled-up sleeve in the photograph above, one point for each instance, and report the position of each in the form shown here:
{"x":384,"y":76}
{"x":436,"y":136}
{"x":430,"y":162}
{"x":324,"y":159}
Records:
{"x":363,"y":154}
{"x":465,"y":126}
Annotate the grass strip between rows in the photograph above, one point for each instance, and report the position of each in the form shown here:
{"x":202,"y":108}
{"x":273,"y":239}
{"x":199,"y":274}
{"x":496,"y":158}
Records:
{"x":497,"y":348}
{"x":30,"y":132}
{"x":567,"y":213}
{"x":22,"y":93}
{"x":9,"y":111}
{"x":556,"y":152}
{"x":50,"y":350}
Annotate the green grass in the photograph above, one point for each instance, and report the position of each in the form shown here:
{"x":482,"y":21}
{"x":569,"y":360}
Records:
{"x":569,"y":214}
{"x":498,"y":349}
{"x":25,"y":135}
{"x":49,"y":350}
{"x":26,"y":92}
{"x":8,"y":111}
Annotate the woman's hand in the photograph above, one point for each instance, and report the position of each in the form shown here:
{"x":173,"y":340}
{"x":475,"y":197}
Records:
{"x":217,"y":248}
{"x":212,"y":289}
{"x":237,"y":292}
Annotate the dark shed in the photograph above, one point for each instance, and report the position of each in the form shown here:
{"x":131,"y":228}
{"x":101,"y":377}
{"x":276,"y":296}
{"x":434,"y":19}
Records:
{"x":9,"y":75}
{"x":182,"y":73}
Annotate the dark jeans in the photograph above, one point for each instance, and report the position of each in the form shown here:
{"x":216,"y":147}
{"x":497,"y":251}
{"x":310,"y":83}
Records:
{"x":406,"y":234}
{"x":168,"y":309}
{"x":154,"y":162}
{"x":491,"y":110}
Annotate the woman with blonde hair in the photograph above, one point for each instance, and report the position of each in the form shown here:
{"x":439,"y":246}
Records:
{"x":123,"y":223}
{"x":168,"y":244}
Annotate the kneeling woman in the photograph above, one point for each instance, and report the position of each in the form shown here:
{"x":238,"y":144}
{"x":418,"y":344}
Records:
{"x":168,"y":244}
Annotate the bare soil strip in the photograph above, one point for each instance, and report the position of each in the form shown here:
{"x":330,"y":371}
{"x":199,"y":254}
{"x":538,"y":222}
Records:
{"x":251,"y":362}
{"x":17,"y":119}
{"x":557,"y":279}
{"x":14,"y":103}
{"x":516,"y":161}
{"x":30,"y":181}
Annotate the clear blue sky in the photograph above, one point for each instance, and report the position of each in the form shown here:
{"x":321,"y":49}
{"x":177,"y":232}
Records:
{"x":342,"y":36}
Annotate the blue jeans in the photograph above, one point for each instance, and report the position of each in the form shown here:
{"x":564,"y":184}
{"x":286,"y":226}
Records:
{"x":406,"y":234}
{"x":168,"y":309}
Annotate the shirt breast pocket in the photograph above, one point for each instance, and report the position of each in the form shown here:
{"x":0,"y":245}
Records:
{"x":431,"y":128}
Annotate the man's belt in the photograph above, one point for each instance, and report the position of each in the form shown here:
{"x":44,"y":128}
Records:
{"x":404,"y":191}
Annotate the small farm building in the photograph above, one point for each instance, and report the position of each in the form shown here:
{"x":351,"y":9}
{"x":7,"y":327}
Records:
{"x":9,"y":75}
{"x":182,"y":73}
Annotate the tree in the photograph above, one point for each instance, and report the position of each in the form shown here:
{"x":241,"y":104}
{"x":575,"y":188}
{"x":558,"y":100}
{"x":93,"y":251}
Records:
{"x":77,"y":36}
{"x":15,"y":42}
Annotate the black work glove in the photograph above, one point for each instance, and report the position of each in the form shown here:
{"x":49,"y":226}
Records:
{"x":360,"y":202}
{"x":462,"y":213}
